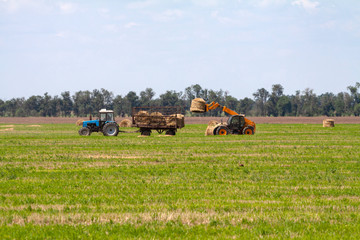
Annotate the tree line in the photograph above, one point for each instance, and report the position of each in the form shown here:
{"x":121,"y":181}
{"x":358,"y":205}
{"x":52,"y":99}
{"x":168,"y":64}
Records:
{"x":264,"y":102}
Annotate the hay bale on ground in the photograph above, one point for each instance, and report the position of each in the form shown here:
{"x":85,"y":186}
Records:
{"x":79,"y":122}
{"x":125,"y":123}
{"x":328,"y":123}
{"x":213,"y":123}
{"x":210,"y":130}
{"x":198,"y":105}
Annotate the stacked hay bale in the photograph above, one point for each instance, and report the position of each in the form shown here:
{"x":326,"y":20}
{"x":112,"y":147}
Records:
{"x":180,"y":120}
{"x":125,"y":123}
{"x":79,"y":122}
{"x":198,"y":105}
{"x":328,"y":123}
{"x":157,"y":118}
{"x":142,"y":117}
{"x":210,"y":128}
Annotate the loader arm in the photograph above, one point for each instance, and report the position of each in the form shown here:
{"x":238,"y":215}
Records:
{"x":213,"y":105}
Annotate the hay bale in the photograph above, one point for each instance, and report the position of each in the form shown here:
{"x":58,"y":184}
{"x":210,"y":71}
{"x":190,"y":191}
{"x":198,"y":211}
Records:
{"x":171,"y":120}
{"x":142,"y":117}
{"x":125,"y":123}
{"x":213,"y":123}
{"x":210,"y":130}
{"x":198,"y":105}
{"x":79,"y":122}
{"x":328,"y":123}
{"x":180,"y":120}
{"x":158,"y":114}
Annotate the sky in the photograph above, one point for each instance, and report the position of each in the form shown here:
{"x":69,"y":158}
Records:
{"x":238,"y":46}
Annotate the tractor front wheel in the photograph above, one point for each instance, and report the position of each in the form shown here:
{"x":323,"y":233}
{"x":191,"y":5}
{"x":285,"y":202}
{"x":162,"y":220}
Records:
{"x":84,"y":131}
{"x":110,"y":129}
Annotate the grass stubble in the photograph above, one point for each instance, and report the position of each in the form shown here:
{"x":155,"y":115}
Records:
{"x":286,"y":181}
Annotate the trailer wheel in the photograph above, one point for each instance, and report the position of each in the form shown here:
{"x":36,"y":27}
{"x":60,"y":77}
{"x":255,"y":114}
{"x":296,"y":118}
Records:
{"x":170,"y":132}
{"x":222,"y":131}
{"x":84,"y":131}
{"x":110,"y":129}
{"x":145,"y":132}
{"x":248,"y":131}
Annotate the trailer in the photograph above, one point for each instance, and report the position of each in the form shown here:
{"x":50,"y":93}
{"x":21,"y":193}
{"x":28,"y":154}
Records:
{"x":162,"y":119}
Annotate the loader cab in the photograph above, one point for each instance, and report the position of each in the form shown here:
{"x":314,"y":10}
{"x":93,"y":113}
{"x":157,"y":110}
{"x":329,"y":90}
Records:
{"x":236,"y":123}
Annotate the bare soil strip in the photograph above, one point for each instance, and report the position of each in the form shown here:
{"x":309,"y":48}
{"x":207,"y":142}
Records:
{"x":191,"y":120}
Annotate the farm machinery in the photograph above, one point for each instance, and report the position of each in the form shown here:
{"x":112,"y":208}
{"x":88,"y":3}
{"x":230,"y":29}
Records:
{"x":236,"y":123}
{"x":105,"y":124}
{"x":161,"y":119}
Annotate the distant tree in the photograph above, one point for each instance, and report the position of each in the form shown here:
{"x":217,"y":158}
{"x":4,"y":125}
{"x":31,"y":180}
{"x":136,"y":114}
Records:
{"x":271,"y":105}
{"x":326,"y":107}
{"x":146,"y":96}
{"x":310,"y":102}
{"x":82,"y":103}
{"x":245,"y":106}
{"x":171,"y":98}
{"x":66,"y":104}
{"x":261,"y":98}
{"x":283,"y":106}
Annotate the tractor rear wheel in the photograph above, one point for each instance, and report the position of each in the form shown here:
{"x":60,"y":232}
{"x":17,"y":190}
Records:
{"x":222,"y":130}
{"x":248,"y":131}
{"x":84,"y":131}
{"x":110,"y":129}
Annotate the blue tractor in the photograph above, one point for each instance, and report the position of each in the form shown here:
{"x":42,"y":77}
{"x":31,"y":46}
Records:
{"x":105,"y":124}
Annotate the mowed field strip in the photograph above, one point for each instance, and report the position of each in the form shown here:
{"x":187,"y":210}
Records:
{"x":286,"y":181}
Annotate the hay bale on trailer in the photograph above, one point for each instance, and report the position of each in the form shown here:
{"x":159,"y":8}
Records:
{"x":142,"y":117}
{"x":198,"y":105}
{"x":125,"y":123}
{"x":180,"y":120}
{"x":328,"y":123}
{"x":157,"y":118}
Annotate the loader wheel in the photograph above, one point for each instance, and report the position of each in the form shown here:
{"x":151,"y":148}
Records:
{"x":222,"y":131}
{"x":110,"y":129}
{"x":248,"y":131}
{"x":84,"y":131}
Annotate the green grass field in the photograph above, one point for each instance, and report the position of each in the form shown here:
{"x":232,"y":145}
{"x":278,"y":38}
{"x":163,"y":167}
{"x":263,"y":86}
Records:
{"x":286,"y":181}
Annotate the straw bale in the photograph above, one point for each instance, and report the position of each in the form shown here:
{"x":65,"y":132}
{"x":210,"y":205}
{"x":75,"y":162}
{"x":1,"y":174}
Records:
{"x":198,"y":105}
{"x":142,"y":117}
{"x":210,"y":130}
{"x":180,"y":120}
{"x":156,"y":114}
{"x":213,"y":123}
{"x":328,"y":123}
{"x":79,"y":122}
{"x":125,"y":123}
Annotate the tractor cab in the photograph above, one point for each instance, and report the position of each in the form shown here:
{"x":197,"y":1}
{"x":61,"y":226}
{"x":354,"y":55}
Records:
{"x":106,"y":115}
{"x":235,"y":123}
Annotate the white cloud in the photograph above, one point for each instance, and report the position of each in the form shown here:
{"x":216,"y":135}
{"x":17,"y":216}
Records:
{"x":306,"y":4}
{"x":223,"y":20}
{"x":61,"y":34}
{"x":267,"y":3}
{"x":169,"y":15}
{"x":141,"y":4}
{"x":111,"y":28}
{"x":67,"y":7}
{"x":131,"y":25}
{"x":206,"y":3}
{"x":13,"y":6}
